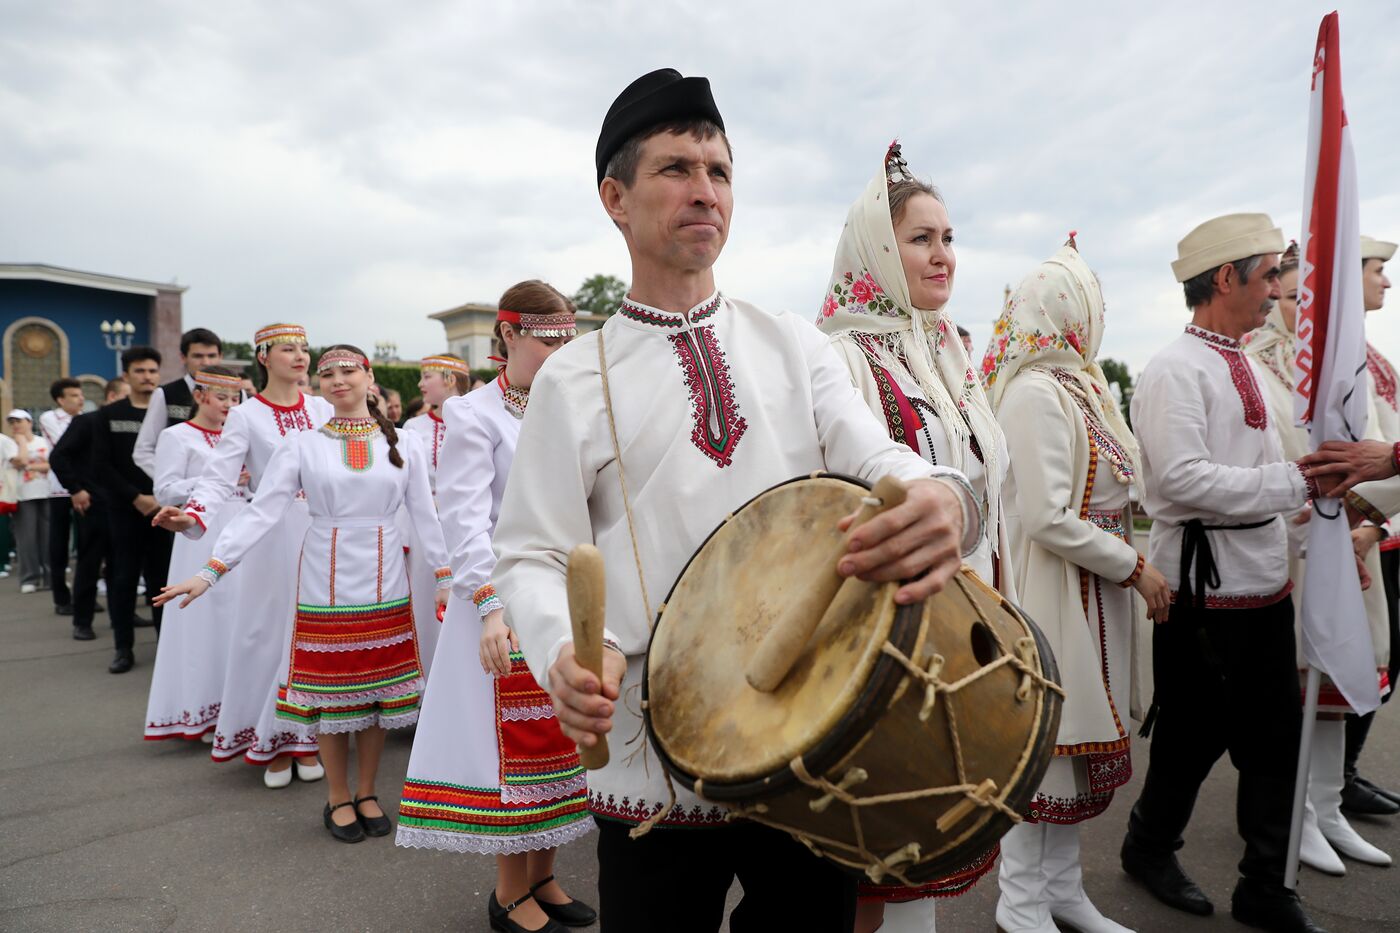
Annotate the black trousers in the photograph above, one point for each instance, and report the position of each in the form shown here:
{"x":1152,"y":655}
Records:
{"x":137,"y":551}
{"x":60,"y":543}
{"x":676,"y":880}
{"x":1226,"y":681}
{"x":94,"y":547}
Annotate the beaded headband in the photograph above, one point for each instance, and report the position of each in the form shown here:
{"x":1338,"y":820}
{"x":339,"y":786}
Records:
{"x":444,"y":364}
{"x":896,"y":169}
{"x":541,"y":325}
{"x":279,"y":333}
{"x":207,"y":380}
{"x":346,"y":359}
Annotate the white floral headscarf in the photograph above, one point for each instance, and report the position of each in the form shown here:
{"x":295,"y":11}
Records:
{"x":868,"y":295}
{"x":1054,"y":323}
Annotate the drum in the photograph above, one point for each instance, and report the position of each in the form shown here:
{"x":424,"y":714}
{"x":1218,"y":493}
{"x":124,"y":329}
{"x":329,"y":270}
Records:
{"x":903,"y":742}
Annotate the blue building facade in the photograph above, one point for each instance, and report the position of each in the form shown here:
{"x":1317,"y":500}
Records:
{"x":51,"y":326}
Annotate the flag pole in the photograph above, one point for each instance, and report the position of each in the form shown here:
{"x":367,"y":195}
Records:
{"x":1300,"y":781}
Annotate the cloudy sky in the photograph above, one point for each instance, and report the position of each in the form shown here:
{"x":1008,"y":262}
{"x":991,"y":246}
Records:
{"x":357,"y":165}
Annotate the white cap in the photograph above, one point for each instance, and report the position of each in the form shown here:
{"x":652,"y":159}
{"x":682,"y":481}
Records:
{"x":18,"y":413}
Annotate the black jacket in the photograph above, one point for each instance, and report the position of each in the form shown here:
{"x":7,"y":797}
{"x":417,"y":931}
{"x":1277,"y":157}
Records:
{"x":71,"y":458}
{"x":114,"y":438}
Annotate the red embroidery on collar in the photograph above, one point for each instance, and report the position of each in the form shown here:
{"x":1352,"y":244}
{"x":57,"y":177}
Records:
{"x":718,"y":424}
{"x":1256,"y":415}
{"x":1383,"y":374}
{"x":288,"y":417}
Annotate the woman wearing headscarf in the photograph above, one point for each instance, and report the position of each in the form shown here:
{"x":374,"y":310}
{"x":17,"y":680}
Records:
{"x":884,"y":310}
{"x":1326,"y":832}
{"x":1074,"y":460}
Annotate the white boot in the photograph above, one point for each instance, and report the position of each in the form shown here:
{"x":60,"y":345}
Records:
{"x":1064,"y":884}
{"x":1325,"y":787}
{"x":1023,"y":906}
{"x":1315,"y":852}
{"x":909,"y":917}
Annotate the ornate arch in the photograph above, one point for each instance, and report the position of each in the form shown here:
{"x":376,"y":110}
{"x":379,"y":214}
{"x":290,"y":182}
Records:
{"x":53,"y":359}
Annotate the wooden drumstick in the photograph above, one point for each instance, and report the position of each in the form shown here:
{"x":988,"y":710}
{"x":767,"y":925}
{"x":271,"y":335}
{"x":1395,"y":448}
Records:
{"x":587,"y":586}
{"x":789,"y":635}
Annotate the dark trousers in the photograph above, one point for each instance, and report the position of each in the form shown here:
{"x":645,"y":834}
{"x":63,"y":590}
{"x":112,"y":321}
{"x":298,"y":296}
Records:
{"x":677,"y":879}
{"x":1226,"y":681}
{"x":94,"y":546}
{"x":1358,"y":727}
{"x":137,"y":550}
{"x":60,"y":543}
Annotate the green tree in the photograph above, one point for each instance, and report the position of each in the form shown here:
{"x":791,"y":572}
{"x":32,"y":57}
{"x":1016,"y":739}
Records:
{"x":600,"y":294}
{"x":1117,"y":371}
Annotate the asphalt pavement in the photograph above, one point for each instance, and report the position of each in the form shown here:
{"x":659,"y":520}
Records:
{"x":102,"y":831}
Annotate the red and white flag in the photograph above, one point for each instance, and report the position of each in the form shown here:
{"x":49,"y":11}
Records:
{"x":1330,"y":393}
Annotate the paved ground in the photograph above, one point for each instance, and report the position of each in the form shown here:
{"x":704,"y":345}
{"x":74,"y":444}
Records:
{"x":100,"y":831}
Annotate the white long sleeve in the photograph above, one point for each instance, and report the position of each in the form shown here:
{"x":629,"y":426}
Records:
{"x":280,"y":483}
{"x":467,"y":468}
{"x":173,"y":481}
{"x":219,"y":481}
{"x":144,"y":454}
{"x":418,"y":500}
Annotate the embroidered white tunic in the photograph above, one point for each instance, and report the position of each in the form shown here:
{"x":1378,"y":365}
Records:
{"x":1209,"y":454}
{"x":712,"y":407}
{"x":431,"y":430}
{"x":188,"y":681}
{"x":265,"y":592}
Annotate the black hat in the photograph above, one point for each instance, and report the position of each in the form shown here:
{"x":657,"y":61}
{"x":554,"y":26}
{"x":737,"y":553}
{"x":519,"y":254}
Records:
{"x":659,"y":97}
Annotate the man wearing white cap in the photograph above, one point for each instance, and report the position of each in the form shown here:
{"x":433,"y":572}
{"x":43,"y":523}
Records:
{"x":1218,"y":491}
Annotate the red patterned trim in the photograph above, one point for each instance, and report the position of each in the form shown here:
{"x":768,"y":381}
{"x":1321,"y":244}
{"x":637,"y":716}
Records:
{"x":1250,"y":601}
{"x":1314,"y":492}
{"x":288,"y":417}
{"x":632,"y":811}
{"x":718,"y":424}
{"x":665,"y":318}
{"x":1066,"y":811}
{"x":950,"y":885}
{"x":1383,"y":374}
{"x":1256,"y":414}
{"x":1136,"y":575}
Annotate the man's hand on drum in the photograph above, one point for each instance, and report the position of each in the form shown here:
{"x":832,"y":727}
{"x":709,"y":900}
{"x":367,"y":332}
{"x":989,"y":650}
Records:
{"x":919,"y":540}
{"x":583,"y":706}
{"x":1156,"y":592}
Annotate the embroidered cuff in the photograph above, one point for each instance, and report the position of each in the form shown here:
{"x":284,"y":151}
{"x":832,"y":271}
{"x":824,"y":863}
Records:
{"x":1309,"y":482}
{"x":1366,"y":509}
{"x":1137,"y":573}
{"x":486,"y":600}
{"x":194,"y":510}
{"x":443,"y":577}
{"x":973,"y":509}
{"x":212,"y":571}
{"x":1395,"y":456}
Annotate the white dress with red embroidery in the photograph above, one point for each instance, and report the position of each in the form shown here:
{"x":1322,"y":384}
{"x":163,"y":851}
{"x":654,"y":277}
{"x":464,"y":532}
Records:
{"x":265,"y":592}
{"x":712,"y":406}
{"x":490,"y":771}
{"x":1209,"y":454}
{"x":432,"y":431}
{"x":187,"y":683}
{"x":1386,"y":416}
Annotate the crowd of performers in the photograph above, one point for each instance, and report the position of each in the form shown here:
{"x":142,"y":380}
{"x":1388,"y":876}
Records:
{"x":319,"y":547}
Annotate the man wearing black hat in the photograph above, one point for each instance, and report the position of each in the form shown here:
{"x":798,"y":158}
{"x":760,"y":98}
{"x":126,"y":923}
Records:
{"x":712,"y":400}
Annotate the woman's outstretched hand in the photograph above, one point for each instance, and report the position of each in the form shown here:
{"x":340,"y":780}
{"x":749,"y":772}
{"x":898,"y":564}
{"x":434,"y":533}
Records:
{"x":191,"y":589}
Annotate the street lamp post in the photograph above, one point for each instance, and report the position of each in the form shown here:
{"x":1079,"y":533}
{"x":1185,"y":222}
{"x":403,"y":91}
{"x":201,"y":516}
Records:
{"x":118,"y":336}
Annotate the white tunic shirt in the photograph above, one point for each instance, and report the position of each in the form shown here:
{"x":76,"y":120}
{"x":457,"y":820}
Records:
{"x":52,"y":424}
{"x":432,"y":430}
{"x":1209,"y":454}
{"x":182,"y":452}
{"x":712,"y":407}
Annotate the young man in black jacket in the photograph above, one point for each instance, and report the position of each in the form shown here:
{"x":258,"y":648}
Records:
{"x":72,"y":462}
{"x":137,"y":548}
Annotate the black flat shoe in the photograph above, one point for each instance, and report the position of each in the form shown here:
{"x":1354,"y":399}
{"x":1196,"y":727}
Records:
{"x":123,"y":662}
{"x":1387,"y":794}
{"x":63,"y":610}
{"x":573,"y":914}
{"x":1277,"y":910}
{"x":83,"y":633}
{"x":1164,"y":880}
{"x":97,"y":608}
{"x":500,"y":917}
{"x":351,"y":833}
{"x":1360,"y":799}
{"x":374,"y":825}
{"x":140,"y":621}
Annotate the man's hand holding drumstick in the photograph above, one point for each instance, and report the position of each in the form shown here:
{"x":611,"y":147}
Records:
{"x":919,"y":540}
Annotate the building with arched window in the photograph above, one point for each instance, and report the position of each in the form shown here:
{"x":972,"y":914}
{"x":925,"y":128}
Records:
{"x":51,"y":326}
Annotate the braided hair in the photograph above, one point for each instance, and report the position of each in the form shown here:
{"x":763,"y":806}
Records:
{"x":372,"y":400}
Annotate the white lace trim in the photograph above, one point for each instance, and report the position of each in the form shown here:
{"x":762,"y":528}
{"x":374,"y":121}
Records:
{"x":523,"y":713}
{"x":355,"y":646}
{"x":360,"y":723}
{"x":318,"y":701}
{"x":543,"y":793}
{"x":411,"y":837}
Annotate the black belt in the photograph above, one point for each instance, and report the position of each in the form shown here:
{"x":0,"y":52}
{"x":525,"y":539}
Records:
{"x":1197,"y":556}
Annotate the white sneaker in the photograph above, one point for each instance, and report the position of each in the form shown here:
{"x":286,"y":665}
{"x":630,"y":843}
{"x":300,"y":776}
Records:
{"x":208,"y":737}
{"x":28,"y":588}
{"x":308,"y":772}
{"x":277,"y":779}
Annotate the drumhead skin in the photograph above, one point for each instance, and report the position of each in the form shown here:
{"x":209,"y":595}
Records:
{"x":714,"y":725}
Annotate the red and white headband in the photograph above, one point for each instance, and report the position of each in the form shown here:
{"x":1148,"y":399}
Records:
{"x":444,"y":363}
{"x":208,"y":380}
{"x":541,"y":325}
{"x":342,"y":359}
